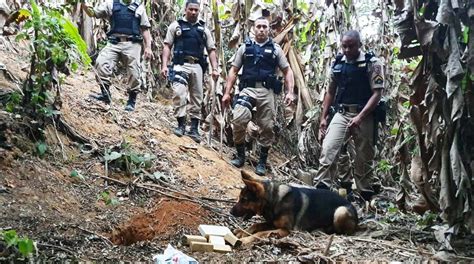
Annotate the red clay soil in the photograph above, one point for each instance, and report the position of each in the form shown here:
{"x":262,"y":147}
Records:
{"x":167,"y":218}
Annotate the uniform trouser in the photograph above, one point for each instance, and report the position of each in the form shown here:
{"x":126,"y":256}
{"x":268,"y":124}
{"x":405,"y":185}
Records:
{"x":265,"y":103}
{"x":129,"y":52}
{"x":362,"y":139}
{"x":344,"y":162}
{"x":193,"y":90}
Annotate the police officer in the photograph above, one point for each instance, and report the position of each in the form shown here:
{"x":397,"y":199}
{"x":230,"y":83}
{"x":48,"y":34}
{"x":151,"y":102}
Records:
{"x":188,"y":37}
{"x":355,"y":89}
{"x":258,"y":86}
{"x":129,"y":28}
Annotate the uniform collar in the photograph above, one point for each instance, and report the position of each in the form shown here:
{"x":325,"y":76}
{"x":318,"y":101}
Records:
{"x":186,"y":20}
{"x":131,"y":2}
{"x":360,"y":58}
{"x":263,"y":43}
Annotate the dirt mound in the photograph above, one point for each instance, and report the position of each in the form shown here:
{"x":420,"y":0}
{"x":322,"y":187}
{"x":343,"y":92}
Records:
{"x":167,"y":219}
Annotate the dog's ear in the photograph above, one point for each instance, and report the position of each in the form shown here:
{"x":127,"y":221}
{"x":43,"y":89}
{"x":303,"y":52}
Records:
{"x":255,"y":185}
{"x":247,"y":176}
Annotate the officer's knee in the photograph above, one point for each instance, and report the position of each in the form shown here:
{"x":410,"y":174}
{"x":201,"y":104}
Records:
{"x":242,"y":116}
{"x":179,"y":100}
{"x":104,"y":68}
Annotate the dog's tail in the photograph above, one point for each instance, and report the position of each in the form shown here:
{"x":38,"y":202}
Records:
{"x":345,"y":220}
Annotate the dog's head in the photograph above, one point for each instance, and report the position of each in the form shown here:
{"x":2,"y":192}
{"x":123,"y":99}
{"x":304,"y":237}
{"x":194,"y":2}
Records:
{"x":251,"y":198}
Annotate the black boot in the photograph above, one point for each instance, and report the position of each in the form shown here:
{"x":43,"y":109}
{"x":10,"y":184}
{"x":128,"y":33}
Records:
{"x":194,"y":132}
{"x":132,"y":98}
{"x":179,"y":131}
{"x":105,"y":94}
{"x":322,"y":186}
{"x":367,"y":195}
{"x":239,"y":160}
{"x":262,"y":162}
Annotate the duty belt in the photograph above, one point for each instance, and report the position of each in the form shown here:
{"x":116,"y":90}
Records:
{"x":191,"y":59}
{"x":352,"y":108}
{"x":254,"y":84}
{"x":117,"y":39}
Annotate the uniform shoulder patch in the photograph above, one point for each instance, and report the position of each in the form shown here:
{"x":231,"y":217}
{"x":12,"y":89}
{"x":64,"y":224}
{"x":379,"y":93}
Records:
{"x":378,"y":79}
{"x":374,"y":59}
{"x":377,"y":69}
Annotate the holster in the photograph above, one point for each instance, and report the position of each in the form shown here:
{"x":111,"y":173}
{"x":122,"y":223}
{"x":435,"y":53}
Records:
{"x":380,"y":112}
{"x":246,"y":101}
{"x":171,"y":73}
{"x":178,"y":57}
{"x":275,"y":83}
{"x":204,"y":64}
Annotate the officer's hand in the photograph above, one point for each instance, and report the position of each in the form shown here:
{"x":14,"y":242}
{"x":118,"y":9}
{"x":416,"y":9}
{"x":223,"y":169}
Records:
{"x":148,"y":54}
{"x":164,"y":71}
{"x":215,"y":74}
{"x":225,"y":100}
{"x":354,"y":122}
{"x":289,"y":98}
{"x":323,"y":125}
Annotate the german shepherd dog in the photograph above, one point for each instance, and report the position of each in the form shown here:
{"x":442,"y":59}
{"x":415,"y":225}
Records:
{"x":286,"y":208}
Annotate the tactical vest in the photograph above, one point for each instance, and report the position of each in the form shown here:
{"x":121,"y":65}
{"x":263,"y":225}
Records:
{"x":352,"y":80}
{"x":259,"y":61}
{"x":190,"y":42}
{"x":122,"y":15}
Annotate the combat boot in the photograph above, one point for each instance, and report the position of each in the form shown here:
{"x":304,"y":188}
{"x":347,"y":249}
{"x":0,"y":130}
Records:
{"x":179,"y":131}
{"x":261,"y":168}
{"x":194,"y":132}
{"x":132,"y":98}
{"x":239,"y":160}
{"x":105,"y":94}
{"x":367,"y":195}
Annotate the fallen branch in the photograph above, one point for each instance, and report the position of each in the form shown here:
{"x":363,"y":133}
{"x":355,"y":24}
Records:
{"x":193,"y":199}
{"x":286,"y":162}
{"x":217,"y":199}
{"x":59,"y":139}
{"x":328,"y":246}
{"x":186,"y":147}
{"x":71,"y":133}
{"x":186,"y":197}
{"x":113,"y":180}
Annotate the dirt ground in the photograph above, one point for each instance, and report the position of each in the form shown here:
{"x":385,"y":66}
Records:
{"x":75,"y":206}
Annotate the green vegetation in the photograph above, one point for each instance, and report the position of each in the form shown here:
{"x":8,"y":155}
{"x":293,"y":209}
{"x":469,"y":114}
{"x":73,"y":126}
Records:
{"x":23,"y":245}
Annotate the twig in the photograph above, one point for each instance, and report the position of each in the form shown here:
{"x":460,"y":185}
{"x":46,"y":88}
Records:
{"x":59,"y":139}
{"x":213,"y":105}
{"x":217,"y":199}
{"x":185,"y":147}
{"x":71,"y":133}
{"x":328,"y":246}
{"x":57,"y":247}
{"x":106,"y":167}
{"x":392,"y":245}
{"x":186,"y":197}
{"x":286,"y":162}
{"x":94,"y":233}
{"x":195,"y":200}
{"x":113,"y":180}
{"x":224,"y":118}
